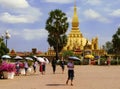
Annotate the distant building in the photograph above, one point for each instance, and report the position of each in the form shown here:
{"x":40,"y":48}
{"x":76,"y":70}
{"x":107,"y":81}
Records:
{"x":33,"y":52}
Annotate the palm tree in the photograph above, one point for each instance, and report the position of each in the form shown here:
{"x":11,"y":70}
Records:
{"x":57,"y":25}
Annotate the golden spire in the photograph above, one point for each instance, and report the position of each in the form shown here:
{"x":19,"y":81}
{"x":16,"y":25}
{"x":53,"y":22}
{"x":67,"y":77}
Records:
{"x":75,"y":21}
{"x":74,"y":2}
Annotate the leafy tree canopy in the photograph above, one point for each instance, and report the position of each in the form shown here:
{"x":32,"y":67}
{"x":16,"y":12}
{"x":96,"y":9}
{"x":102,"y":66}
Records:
{"x":116,"y":41}
{"x":3,"y":48}
{"x":57,"y":25}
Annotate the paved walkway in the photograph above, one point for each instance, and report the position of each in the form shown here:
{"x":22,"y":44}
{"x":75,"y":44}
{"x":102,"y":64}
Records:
{"x":86,"y":77}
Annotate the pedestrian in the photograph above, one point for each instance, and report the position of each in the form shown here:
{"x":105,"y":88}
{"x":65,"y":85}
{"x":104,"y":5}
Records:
{"x":17,"y":64}
{"x":43,"y":64}
{"x":62,"y":64}
{"x":54,"y":65}
{"x":40,"y":67}
{"x":70,"y":66}
{"x":108,"y":61}
{"x":26,"y":66}
{"x":34,"y":66}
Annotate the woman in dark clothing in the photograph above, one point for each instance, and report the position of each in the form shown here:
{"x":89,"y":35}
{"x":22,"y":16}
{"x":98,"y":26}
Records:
{"x":54,"y":65}
{"x":62,"y":64}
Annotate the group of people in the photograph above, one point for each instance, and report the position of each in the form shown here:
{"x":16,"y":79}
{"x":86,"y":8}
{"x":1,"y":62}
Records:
{"x":70,"y":66}
{"x":18,"y":64}
{"x":42,"y":67}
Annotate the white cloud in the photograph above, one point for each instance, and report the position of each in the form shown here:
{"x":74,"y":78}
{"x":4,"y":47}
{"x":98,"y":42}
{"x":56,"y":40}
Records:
{"x":14,"y":3}
{"x":91,"y":14}
{"x":21,"y":17}
{"x":30,"y":34}
{"x":115,"y":13}
{"x":18,"y":12}
{"x":6,"y":17}
{"x":60,"y":1}
{"x":93,"y":2}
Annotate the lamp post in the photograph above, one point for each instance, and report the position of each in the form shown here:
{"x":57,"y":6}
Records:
{"x":7,"y":36}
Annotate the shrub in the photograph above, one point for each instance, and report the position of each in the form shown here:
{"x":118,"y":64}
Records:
{"x":113,"y":62}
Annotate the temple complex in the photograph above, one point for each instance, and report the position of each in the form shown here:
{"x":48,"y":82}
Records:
{"x":78,"y":43}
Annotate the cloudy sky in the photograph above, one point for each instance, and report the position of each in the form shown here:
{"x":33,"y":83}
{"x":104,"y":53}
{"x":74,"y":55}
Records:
{"x":25,"y":20}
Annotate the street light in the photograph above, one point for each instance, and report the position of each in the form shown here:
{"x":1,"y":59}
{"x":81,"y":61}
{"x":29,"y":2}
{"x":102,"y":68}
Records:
{"x":7,"y":36}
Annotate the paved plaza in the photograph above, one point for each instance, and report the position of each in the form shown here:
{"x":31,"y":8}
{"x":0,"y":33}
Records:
{"x":86,"y":77}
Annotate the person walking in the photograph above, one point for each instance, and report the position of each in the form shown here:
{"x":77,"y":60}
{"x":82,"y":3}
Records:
{"x":54,"y":65}
{"x":108,"y":61}
{"x":43,"y":64}
{"x":34,"y":66}
{"x":26,"y":66}
{"x":62,"y":64}
{"x":70,"y":66}
{"x":17,"y":64}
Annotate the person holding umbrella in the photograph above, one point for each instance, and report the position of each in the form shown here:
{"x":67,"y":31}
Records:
{"x":34,"y":66}
{"x":17,"y":64}
{"x":26,"y":67}
{"x":70,"y":66}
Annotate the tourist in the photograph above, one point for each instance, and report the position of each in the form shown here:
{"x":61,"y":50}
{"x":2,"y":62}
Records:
{"x":17,"y":64}
{"x":108,"y":60}
{"x":70,"y":66}
{"x":42,"y":67}
{"x":26,"y":66}
{"x":43,"y":64}
{"x":34,"y":66}
{"x":54,"y":65}
{"x":62,"y":64}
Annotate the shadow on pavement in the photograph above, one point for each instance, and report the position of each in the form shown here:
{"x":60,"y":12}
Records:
{"x":55,"y":84}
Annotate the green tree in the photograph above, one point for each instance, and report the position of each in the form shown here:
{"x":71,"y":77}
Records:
{"x":108,"y":47}
{"x":57,"y":25}
{"x":116,"y":42}
{"x":3,"y":48}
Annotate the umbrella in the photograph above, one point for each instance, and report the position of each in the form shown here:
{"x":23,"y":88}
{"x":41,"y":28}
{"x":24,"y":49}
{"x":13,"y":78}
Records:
{"x":46,"y":60}
{"x":74,"y":58}
{"x":34,"y":58}
{"x":18,"y":58}
{"x":6,"y":57}
{"x":28,"y":58}
{"x":40,"y":59}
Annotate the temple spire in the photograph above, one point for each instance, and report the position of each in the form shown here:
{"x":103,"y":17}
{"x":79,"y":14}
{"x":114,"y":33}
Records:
{"x":75,"y":3}
{"x":75,"y":21}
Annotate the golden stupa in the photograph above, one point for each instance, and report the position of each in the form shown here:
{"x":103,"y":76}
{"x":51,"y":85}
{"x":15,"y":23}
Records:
{"x":76,"y":40}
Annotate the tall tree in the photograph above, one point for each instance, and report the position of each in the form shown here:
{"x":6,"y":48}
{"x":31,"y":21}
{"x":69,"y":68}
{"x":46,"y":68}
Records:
{"x":3,"y":48}
{"x":108,"y":47}
{"x":116,"y":41}
{"x":57,"y":25}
